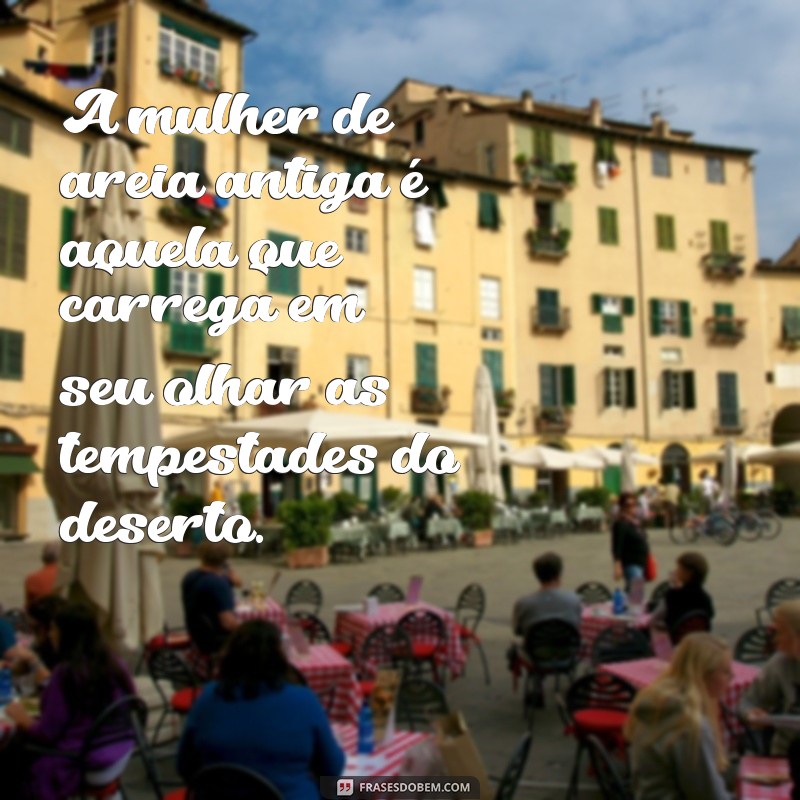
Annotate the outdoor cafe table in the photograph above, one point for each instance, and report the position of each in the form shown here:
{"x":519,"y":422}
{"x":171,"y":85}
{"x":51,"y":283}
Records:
{"x":269,"y":610}
{"x":758,"y":765}
{"x":353,"y":626}
{"x":443,"y":528}
{"x":596,"y":618}
{"x":385,"y":760}
{"x":328,"y":671}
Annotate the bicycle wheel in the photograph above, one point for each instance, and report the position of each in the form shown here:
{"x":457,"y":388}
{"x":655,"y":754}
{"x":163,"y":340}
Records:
{"x":771,"y":524}
{"x":688,"y":533}
{"x":749,"y":526}
{"x":722,"y":528}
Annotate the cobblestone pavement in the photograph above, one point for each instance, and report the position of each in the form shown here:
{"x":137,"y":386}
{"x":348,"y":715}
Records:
{"x":738,"y":580}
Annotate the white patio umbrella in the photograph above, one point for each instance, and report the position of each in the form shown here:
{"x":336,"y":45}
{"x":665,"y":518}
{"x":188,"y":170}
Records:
{"x":627,"y":466}
{"x":120,"y":580}
{"x":484,"y":462}
{"x":612,"y":456}
{"x":550,"y":458}
{"x":742,"y":452}
{"x":774,"y":456}
{"x":729,"y":465}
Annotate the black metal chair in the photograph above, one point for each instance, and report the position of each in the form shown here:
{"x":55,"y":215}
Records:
{"x":304,"y":593}
{"x":470,"y":607}
{"x":693,"y":622}
{"x":593,"y":592}
{"x":754,"y":646}
{"x":383,"y":648}
{"x":387,"y":593}
{"x":594,"y":705}
{"x":231,"y":782}
{"x":657,"y":596}
{"x":551,"y":647}
{"x":620,"y":643}
{"x":612,"y":786}
{"x":514,"y":769}
{"x":428,"y":641}
{"x":779,"y":592}
{"x":168,"y":666}
{"x":418,"y":702}
{"x":170,"y":638}
{"x":316,"y":631}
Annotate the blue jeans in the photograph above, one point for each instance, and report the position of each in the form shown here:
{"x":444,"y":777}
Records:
{"x":631,"y":572}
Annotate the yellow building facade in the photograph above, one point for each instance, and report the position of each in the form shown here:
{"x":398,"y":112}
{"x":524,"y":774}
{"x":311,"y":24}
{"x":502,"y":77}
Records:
{"x":605,"y":305}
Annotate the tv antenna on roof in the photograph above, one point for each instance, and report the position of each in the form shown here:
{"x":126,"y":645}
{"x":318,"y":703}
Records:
{"x":611,"y":103}
{"x":561,"y":94}
{"x":658,"y":105}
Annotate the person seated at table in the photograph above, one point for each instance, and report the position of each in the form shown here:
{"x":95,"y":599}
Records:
{"x":256,"y":717}
{"x":42,"y":583}
{"x":209,"y":606}
{"x":686,"y":593}
{"x":550,"y":601}
{"x":87,"y":679}
{"x":629,"y":546}
{"x":776,"y":690}
{"x":42,"y":615}
{"x":676,"y":745}
{"x":434,"y":507}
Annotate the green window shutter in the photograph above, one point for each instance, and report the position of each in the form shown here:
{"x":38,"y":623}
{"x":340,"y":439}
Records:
{"x":547,"y":301}
{"x":689,"y":401}
{"x":426,"y":366}
{"x":543,"y":145}
{"x":493,"y":361}
{"x":628,"y":306}
{"x":524,"y":141}
{"x":190,"y":154}
{"x":354,"y":167}
{"x":548,"y":386}
{"x":666,"y":385}
{"x":488,"y":210}
{"x":562,"y":215}
{"x":790,"y":323}
{"x":607,"y":387}
{"x":187,"y":337}
{"x":665,"y":232}
{"x":723,"y":310}
{"x":607,"y":221}
{"x":597,"y":303}
{"x":568,"y":385}
{"x":13,"y":233}
{"x":685,"y":310}
{"x":655,"y":317}
{"x":15,"y":131}
{"x":719,"y":237}
{"x":630,"y":388}
{"x":189,"y":32}
{"x":161,"y":280}
{"x":728,"y":394}
{"x":67,"y":235}
{"x":561,"y":152}
{"x":283,"y":280}
{"x":12,"y":345}
{"x":612,"y":323}
{"x":215,"y":285}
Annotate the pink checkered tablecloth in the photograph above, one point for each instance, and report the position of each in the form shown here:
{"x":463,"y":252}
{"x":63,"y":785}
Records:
{"x":755,"y":766}
{"x":328,"y":671}
{"x":353,"y":626}
{"x":596,"y":618}
{"x":270,"y":610}
{"x":386,"y":760}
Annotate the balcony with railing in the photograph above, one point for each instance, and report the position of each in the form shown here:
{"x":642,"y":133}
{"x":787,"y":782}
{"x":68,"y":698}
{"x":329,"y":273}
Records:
{"x":538,"y":174}
{"x":725,"y":330}
{"x":725,"y":266}
{"x":730,"y":421}
{"x":552,"y":419}
{"x":188,"y":340}
{"x":429,"y":400}
{"x":548,"y":243}
{"x":504,"y":400}
{"x":550,"y":319}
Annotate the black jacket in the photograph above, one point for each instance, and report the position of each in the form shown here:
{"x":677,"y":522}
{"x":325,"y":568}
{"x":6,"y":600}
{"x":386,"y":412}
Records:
{"x":629,"y":543}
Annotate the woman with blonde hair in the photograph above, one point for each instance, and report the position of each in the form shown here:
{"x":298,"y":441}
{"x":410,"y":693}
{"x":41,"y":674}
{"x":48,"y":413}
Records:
{"x":673,"y":727}
{"x":777,"y":689}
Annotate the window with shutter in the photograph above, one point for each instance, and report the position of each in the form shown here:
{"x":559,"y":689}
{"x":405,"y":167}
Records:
{"x":493,"y":361}
{"x":728,"y":395}
{"x":190,"y":154}
{"x":488,"y":211}
{"x":660,"y":163}
{"x":685,"y":311}
{"x":283,"y":280}
{"x":15,"y":131}
{"x":790,"y":323}
{"x":715,"y":170}
{"x":719,"y":237}
{"x":630,"y":388}
{"x":548,"y":307}
{"x":667,"y":396}
{"x":13,"y":233}
{"x":665,"y":232}
{"x":689,"y":402}
{"x":11,"y":354}
{"x":612,"y":323}
{"x":543,"y":145}
{"x":426,"y":366}
{"x":548,"y":386}
{"x":490,"y":298}
{"x":607,"y":221}
{"x":67,"y":235}
{"x":568,"y":385}
{"x":424,"y":289}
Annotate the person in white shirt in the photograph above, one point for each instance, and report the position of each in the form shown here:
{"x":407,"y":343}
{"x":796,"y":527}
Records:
{"x":710,"y":490}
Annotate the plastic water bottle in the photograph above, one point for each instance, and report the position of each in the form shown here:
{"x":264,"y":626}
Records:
{"x":619,"y":601}
{"x":6,"y":687}
{"x":366,"y":730}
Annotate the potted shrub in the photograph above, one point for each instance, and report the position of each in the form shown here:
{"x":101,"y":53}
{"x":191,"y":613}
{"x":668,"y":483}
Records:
{"x":306,"y":531}
{"x":392,"y":498}
{"x":476,"y":515}
{"x":345,"y":506}
{"x":248,"y":505}
{"x":595,"y":497}
{"x":188,"y":505}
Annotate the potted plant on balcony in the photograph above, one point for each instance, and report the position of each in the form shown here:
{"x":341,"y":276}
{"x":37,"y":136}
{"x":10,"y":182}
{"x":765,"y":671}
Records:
{"x":476,"y":515}
{"x":306,"y":531}
{"x":165,"y":65}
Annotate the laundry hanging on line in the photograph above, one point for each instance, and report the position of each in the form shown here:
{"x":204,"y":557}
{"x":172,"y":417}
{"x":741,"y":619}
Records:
{"x":73,"y":76}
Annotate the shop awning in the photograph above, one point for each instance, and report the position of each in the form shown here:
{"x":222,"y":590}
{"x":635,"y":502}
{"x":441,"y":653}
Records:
{"x":17,"y":465}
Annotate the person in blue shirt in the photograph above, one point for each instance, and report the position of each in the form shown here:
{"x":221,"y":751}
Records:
{"x":255,"y":717}
{"x":8,"y":638}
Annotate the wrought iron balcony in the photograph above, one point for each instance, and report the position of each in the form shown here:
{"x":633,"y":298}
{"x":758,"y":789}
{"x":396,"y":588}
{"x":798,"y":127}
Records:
{"x":725,"y":330}
{"x":723,"y":265}
{"x":549,"y":319}
{"x":540,"y":175}
{"x":504,"y":400}
{"x":427,"y":400}
{"x":552,"y":419}
{"x":729,"y":421}
{"x":188,"y":340}
{"x":545,"y":243}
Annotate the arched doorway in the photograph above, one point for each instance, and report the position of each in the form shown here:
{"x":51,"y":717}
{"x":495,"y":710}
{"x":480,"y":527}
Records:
{"x":675,"y":467}
{"x":554,"y":484}
{"x":612,"y":476}
{"x":785,"y":430}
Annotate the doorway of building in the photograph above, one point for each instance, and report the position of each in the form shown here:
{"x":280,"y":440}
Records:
{"x":785,"y":430}
{"x":612,"y":475}
{"x":675,"y":467}
{"x":553,"y":484}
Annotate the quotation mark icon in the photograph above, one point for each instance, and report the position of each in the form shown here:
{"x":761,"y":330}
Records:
{"x":344,"y":787}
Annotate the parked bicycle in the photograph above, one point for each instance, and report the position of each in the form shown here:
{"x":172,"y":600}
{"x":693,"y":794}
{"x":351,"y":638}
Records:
{"x":720,"y":525}
{"x":760,"y":523}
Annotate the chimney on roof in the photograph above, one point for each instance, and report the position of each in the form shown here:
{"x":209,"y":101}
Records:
{"x":660,"y":126}
{"x":526,"y":100}
{"x":595,"y":113}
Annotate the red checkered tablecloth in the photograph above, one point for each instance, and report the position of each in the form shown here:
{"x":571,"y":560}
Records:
{"x":386,"y":760}
{"x":596,"y":618}
{"x":756,"y":765}
{"x":328,"y":671}
{"x":270,"y":610}
{"x":353,"y":626}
